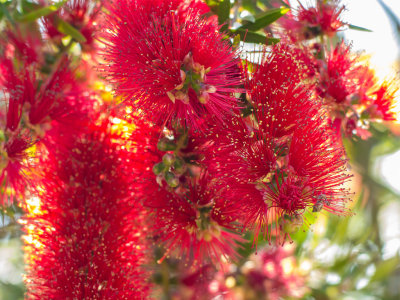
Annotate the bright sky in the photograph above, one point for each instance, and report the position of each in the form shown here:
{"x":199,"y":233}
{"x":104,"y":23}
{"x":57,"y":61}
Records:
{"x":381,"y":43}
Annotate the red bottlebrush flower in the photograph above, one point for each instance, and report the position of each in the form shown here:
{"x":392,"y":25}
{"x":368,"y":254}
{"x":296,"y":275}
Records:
{"x":197,"y":223}
{"x":171,"y":68}
{"x":288,"y":147}
{"x":309,"y":22}
{"x":185,"y":6}
{"x":325,"y":16}
{"x":187,"y":214}
{"x":48,"y":102}
{"x":26,"y":47}
{"x":338,"y":75}
{"x":239,"y":153}
{"x":83,"y":238}
{"x":311,"y":176}
{"x":34,"y":103}
{"x":280,"y":100}
{"x":81,"y":14}
{"x":13,"y":167}
{"x":18,"y":87}
{"x":382,"y":101}
{"x":351,"y":92}
{"x":39,"y":99}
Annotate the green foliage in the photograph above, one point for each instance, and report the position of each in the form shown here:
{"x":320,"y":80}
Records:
{"x":265,"y":19}
{"x":354,"y":27}
{"x":385,"y":268}
{"x":224,"y":9}
{"x":69,"y":30}
{"x":254,"y":37}
{"x":40,"y":12}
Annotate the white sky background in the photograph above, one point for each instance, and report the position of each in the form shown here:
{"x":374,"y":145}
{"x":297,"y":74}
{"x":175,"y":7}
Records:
{"x":382,"y":43}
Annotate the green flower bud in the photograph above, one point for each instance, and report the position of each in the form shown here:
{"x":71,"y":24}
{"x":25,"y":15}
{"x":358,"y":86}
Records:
{"x":166,"y":145}
{"x":168,"y":159}
{"x":179,"y":165}
{"x":158,"y":168}
{"x":171,"y":180}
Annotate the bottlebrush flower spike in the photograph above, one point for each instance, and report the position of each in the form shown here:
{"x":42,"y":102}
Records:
{"x":307,"y":22}
{"x":169,"y":67}
{"x":83,"y":15}
{"x":312,"y":179}
{"x":197,"y":223}
{"x":14,"y":166}
{"x":34,"y":103}
{"x":352,"y":93}
{"x":382,"y":101}
{"x":187,"y":215}
{"x":277,"y":93}
{"x":83,"y":238}
{"x":288,"y":144}
{"x":339,"y":74}
{"x":26,"y":46}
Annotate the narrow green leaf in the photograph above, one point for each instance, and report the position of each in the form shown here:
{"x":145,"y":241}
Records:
{"x":265,"y":19}
{"x":250,"y":5}
{"x":254,"y":37}
{"x":40,"y":12}
{"x":224,"y":9}
{"x":4,"y":12}
{"x":70,"y":30}
{"x":385,"y":268}
{"x":392,"y":16}
{"x":354,"y":27}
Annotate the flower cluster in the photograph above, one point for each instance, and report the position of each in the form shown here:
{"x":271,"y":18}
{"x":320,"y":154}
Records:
{"x":81,"y":17}
{"x":181,"y":148}
{"x":35,"y":102}
{"x":353,"y":93}
{"x":308,"y":22}
{"x":202,"y":182}
{"x":85,"y":204}
{"x":285,"y":159}
{"x":175,"y":67}
{"x":354,"y":97}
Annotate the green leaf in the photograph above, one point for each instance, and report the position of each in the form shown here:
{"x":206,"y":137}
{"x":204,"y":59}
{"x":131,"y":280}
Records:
{"x":70,"y":30}
{"x":40,"y":12}
{"x":250,"y":5}
{"x":254,"y":37}
{"x":393,"y":18}
{"x":354,"y":27}
{"x":265,"y":19}
{"x":4,"y":11}
{"x":385,"y":268}
{"x":224,"y":9}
